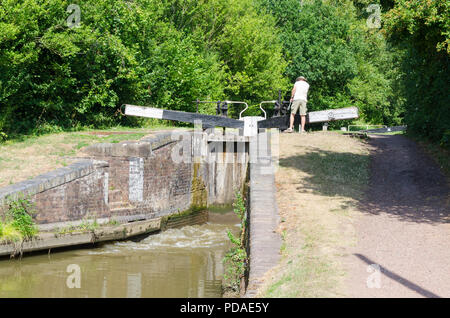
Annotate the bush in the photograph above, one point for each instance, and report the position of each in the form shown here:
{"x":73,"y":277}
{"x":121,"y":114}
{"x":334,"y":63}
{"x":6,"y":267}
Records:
{"x":236,"y":259}
{"x":3,"y":136}
{"x":19,"y":217}
{"x":10,"y":234}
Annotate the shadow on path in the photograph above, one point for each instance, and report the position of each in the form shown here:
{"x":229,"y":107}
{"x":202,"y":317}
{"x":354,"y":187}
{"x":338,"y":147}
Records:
{"x":408,"y":284}
{"x":404,"y":182}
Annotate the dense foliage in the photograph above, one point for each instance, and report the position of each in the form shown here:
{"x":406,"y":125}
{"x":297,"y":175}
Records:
{"x":168,"y":53}
{"x":346,"y":63}
{"x":160,"y":53}
{"x":421,"y":30}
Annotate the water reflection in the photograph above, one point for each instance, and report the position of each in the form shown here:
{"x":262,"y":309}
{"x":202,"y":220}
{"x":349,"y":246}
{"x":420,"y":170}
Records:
{"x":183,"y":262}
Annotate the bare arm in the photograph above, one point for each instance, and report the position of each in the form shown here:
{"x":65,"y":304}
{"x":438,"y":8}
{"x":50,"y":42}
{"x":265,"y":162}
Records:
{"x":293,"y":93}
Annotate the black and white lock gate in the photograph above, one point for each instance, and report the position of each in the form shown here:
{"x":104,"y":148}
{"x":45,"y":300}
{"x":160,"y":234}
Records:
{"x":250,"y":124}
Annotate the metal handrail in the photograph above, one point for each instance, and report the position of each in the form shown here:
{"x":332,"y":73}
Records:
{"x":238,"y":102}
{"x":266,"y":102}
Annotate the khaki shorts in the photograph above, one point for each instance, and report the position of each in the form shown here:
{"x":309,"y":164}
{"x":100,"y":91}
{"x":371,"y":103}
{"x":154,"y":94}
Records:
{"x":299,"y":104}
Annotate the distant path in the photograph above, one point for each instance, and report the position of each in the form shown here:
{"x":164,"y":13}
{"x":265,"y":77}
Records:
{"x":404,"y":226}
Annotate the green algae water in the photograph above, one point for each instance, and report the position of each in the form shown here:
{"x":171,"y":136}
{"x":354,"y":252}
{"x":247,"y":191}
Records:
{"x":184,"y":262}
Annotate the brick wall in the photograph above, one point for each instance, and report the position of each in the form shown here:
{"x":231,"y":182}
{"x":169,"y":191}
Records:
{"x":65,"y":194}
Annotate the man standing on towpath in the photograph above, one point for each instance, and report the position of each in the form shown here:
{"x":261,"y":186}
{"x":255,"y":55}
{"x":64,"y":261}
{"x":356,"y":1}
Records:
{"x":299,"y":98}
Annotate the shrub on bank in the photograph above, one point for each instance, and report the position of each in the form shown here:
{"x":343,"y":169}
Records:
{"x":18,"y":223}
{"x":236,"y":259}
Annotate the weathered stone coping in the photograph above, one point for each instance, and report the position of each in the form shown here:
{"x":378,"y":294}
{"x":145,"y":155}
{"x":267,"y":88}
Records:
{"x":141,"y":148}
{"x":50,"y":179}
{"x":264,"y":241}
{"x":146,"y":146}
{"x":47,"y":241}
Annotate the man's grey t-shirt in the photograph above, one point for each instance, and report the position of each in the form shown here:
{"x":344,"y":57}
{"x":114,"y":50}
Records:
{"x":301,"y":90}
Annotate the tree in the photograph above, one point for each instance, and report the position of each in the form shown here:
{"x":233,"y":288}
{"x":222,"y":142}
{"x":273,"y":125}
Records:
{"x":160,"y":53}
{"x":421,"y":29}
{"x":346,"y":63}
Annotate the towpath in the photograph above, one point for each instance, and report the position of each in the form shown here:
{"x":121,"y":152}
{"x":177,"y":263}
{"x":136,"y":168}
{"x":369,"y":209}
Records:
{"x":404,"y":226}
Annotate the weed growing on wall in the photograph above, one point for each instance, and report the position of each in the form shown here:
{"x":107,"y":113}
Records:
{"x":18,"y":223}
{"x":10,"y":234}
{"x":236,"y":259}
{"x":85,"y":226}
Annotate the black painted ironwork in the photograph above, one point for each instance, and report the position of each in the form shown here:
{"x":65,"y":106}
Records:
{"x":281,"y":107}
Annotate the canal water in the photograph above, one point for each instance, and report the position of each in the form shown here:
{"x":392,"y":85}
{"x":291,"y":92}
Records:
{"x":185,"y":262}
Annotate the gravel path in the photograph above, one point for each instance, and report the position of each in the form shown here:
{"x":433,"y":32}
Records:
{"x":404,"y":227}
